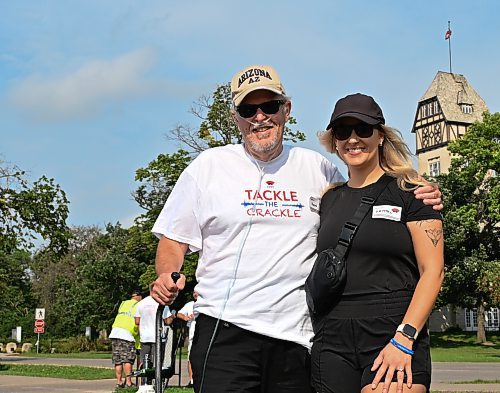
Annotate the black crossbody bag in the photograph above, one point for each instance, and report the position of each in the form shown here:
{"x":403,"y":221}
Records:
{"x":325,"y":283}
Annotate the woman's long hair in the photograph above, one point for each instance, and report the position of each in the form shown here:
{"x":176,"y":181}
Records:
{"x":394,"y":156}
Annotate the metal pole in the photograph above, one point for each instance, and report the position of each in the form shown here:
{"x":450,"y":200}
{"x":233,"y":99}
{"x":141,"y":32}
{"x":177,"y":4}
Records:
{"x":449,"y":45}
{"x":158,"y":360}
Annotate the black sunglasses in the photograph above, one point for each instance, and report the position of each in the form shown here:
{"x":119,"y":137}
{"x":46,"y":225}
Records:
{"x":343,"y":132}
{"x":268,"y":107}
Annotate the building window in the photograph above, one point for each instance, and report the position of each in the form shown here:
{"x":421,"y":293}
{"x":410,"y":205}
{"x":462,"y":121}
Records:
{"x":434,"y":168}
{"x":424,"y":111}
{"x":491,"y":319}
{"x":466,"y":108}
{"x":468,"y":320}
{"x":429,"y":109}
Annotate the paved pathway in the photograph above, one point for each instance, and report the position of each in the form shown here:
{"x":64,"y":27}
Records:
{"x":442,"y":377}
{"x":20,"y":384}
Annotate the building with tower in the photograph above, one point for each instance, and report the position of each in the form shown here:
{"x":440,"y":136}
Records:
{"x":448,"y":107}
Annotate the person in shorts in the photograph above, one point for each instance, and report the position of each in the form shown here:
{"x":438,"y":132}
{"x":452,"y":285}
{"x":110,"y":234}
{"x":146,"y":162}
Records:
{"x":124,"y":336}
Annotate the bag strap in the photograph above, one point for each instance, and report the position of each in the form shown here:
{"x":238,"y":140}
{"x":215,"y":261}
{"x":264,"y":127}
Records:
{"x":350,"y":227}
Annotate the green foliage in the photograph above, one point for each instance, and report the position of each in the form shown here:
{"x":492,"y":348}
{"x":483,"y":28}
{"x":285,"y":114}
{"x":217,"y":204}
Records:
{"x":85,"y":286}
{"x":472,"y":217}
{"x":27,"y":210}
{"x":218,"y":127}
{"x":15,"y":293}
{"x":79,"y":344}
{"x":158,"y":179}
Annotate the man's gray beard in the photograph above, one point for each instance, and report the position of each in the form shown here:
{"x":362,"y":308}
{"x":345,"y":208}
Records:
{"x":264,"y":148}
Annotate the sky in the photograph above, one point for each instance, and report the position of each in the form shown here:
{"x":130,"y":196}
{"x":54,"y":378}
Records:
{"x":90,"y":89}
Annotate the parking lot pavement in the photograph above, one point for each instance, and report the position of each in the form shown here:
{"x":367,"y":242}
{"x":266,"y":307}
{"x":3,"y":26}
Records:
{"x":18,"y":384}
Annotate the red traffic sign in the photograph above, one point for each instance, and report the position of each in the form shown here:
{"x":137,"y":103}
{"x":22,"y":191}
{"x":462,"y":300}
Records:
{"x":39,"y":330}
{"x":39,"y":323}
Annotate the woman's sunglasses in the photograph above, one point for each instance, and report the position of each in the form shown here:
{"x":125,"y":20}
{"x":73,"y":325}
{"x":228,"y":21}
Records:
{"x":343,"y":132}
{"x":268,"y":107}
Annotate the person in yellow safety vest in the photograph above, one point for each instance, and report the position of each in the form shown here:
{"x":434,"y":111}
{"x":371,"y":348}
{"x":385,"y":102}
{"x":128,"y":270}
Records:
{"x":124,"y":339}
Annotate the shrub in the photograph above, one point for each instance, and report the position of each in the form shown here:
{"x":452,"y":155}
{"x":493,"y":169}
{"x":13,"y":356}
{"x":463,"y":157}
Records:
{"x":453,"y":330}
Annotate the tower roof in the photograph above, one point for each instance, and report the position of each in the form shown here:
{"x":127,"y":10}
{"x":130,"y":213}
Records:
{"x":452,"y":91}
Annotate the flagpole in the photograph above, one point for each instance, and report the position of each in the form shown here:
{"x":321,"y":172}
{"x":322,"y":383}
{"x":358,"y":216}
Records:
{"x":449,"y":44}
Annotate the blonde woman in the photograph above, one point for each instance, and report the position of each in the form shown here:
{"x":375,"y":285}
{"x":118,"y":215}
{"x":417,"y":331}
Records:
{"x":374,"y":338}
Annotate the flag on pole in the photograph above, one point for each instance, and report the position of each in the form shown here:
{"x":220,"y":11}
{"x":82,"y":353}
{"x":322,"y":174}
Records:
{"x":447,"y":34}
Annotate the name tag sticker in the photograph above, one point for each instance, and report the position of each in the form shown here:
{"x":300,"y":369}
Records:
{"x":314,"y":204}
{"x":387,"y":212}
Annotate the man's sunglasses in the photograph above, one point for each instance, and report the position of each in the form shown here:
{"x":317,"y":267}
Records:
{"x":268,"y":107}
{"x":343,"y":132}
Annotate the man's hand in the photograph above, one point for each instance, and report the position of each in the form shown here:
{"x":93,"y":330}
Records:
{"x":430,"y":195}
{"x":165,"y":290}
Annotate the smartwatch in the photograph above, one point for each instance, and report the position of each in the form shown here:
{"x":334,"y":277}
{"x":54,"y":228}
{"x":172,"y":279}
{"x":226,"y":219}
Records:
{"x":408,"y":331}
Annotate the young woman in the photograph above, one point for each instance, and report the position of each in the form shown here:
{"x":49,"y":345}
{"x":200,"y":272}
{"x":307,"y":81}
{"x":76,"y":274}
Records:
{"x":374,"y":337}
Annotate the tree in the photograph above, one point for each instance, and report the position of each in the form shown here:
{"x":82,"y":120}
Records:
{"x":18,"y":305}
{"x":85,"y":286}
{"x":158,"y":179}
{"x":27,"y":210}
{"x":472,"y":220}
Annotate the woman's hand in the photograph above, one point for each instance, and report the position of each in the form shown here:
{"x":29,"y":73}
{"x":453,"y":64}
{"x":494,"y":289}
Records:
{"x":389,"y":361}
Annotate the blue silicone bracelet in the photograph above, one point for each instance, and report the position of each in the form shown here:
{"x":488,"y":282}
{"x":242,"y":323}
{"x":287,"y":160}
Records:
{"x":401,"y":347}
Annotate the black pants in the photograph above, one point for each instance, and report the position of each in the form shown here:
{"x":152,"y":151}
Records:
{"x":243,"y":361}
{"x":352,"y":336}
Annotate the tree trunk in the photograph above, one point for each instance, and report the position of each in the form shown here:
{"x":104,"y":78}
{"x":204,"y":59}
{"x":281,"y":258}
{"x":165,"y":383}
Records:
{"x":481,"y":330}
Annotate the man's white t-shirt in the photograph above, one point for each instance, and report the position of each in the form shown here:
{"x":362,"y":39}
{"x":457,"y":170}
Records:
{"x":255,"y":226}
{"x":146,"y":310}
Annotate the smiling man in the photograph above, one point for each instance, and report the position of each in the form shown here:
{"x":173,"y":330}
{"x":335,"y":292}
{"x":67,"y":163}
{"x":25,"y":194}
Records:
{"x":251,"y":211}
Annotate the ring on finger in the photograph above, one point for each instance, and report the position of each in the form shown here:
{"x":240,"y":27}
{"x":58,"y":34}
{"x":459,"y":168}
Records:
{"x":401,"y":369}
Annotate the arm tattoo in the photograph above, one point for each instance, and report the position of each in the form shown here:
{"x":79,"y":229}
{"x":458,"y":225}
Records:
{"x":434,"y":235}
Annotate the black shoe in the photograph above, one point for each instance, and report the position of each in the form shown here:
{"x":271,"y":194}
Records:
{"x":189,"y":385}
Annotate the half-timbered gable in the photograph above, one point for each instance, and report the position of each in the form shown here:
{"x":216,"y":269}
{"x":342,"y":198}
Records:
{"x":447,"y":108}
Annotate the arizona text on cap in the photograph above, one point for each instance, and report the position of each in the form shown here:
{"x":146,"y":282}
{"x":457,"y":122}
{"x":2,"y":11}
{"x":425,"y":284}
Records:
{"x":358,"y":106}
{"x":256,"y":77}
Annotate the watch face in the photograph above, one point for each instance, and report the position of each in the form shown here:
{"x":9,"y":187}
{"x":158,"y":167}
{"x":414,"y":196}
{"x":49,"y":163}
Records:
{"x":409,"y":330}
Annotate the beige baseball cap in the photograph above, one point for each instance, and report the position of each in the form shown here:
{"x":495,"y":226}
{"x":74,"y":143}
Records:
{"x":256,"y":77}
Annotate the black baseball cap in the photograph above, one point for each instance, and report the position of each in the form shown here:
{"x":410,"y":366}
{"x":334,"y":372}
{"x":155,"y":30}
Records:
{"x":136,"y":292}
{"x":358,"y":106}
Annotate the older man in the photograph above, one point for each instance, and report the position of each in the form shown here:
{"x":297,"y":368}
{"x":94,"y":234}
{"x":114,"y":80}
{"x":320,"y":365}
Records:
{"x":251,"y":210}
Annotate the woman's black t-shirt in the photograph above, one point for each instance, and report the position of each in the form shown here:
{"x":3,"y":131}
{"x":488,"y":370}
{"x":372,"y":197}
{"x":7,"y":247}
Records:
{"x":381,"y":258}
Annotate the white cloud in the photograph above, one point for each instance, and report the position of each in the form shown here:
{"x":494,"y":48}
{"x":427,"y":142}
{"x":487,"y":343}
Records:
{"x":86,"y":91}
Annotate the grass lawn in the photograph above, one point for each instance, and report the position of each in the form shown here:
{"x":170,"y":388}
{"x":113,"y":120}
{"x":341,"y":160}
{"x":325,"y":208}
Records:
{"x":461,"y":347}
{"x":64,"y":372}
